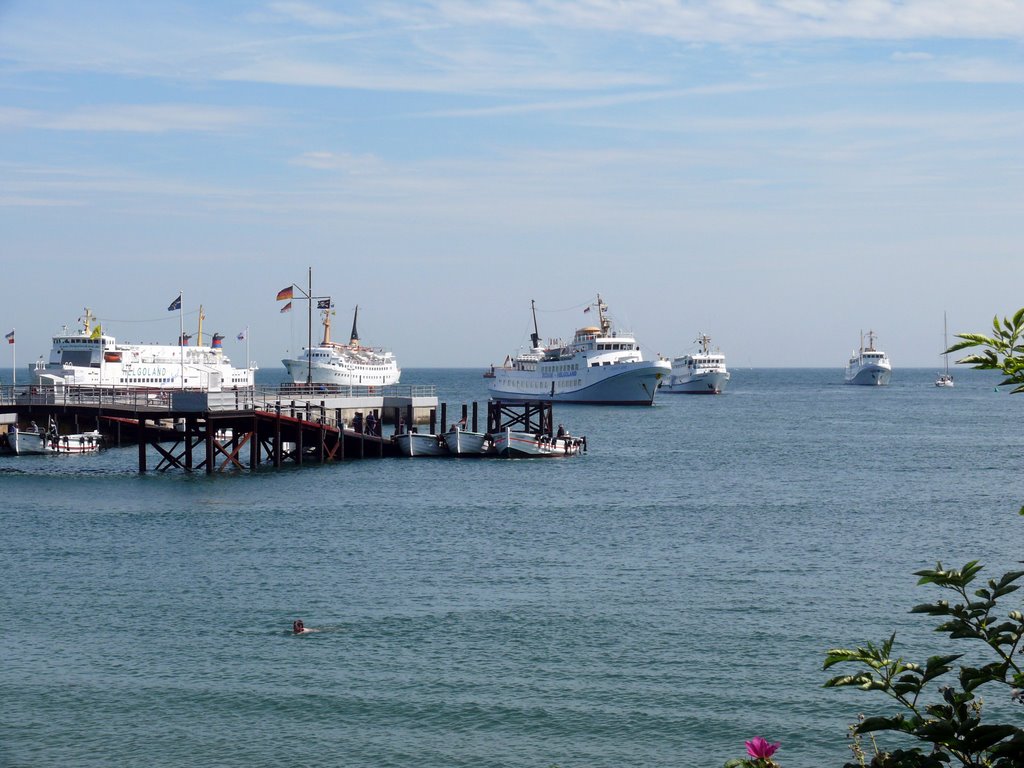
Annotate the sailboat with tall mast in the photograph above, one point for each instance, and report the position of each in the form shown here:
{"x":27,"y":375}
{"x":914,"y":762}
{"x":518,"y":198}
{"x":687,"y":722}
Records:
{"x":334,"y":364}
{"x":944,"y":379}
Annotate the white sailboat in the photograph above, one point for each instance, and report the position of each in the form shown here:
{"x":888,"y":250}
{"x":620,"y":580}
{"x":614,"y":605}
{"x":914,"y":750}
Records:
{"x":944,"y":379}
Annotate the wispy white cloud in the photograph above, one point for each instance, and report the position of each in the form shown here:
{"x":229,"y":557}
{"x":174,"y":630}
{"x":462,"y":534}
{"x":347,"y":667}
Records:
{"x":127,"y":118}
{"x":310,"y":14}
{"x":735,"y":21}
{"x":338,"y":161}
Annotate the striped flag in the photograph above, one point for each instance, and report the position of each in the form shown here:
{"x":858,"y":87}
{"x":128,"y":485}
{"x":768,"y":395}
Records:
{"x":287,"y":307}
{"x":10,"y":336}
{"x":285,"y":294}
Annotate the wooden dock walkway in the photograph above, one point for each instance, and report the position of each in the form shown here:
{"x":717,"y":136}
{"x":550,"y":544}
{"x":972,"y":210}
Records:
{"x":235,"y":429}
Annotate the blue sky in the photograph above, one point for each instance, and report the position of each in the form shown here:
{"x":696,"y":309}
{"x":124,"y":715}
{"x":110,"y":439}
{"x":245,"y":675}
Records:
{"x":778,"y":174}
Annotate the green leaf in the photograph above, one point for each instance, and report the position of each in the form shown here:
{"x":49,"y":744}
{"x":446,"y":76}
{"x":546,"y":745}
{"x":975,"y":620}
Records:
{"x":984,"y":737}
{"x":846,"y":680}
{"x":871,"y":724}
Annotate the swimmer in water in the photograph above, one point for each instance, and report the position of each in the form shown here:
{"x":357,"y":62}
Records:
{"x":298,"y":627}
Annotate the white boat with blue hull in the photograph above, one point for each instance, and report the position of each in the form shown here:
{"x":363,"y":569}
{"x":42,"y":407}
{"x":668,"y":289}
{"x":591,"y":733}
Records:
{"x":600,"y":366}
{"x":701,"y":373}
{"x":868,"y":366}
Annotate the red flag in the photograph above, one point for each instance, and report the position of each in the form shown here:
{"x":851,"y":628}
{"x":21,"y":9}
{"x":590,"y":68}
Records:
{"x":287,"y":307}
{"x":284,"y":294}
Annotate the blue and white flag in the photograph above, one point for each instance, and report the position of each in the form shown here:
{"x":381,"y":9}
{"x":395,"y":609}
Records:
{"x":176,"y":304}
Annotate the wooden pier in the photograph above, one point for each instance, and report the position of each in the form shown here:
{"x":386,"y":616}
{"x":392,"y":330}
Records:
{"x":248,"y":429}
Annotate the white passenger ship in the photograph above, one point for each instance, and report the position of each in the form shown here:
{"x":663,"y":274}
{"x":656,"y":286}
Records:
{"x":702,"y":373}
{"x":91,"y":358}
{"x":343,"y":365}
{"x":599,"y":366}
{"x":868,"y":366}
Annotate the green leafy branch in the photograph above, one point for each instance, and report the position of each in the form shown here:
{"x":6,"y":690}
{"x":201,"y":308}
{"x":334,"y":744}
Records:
{"x":1004,"y":350}
{"x":952,"y":725}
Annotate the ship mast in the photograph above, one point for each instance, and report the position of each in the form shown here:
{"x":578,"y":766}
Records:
{"x":327,"y":328}
{"x":199,"y":341}
{"x":86,"y":320}
{"x":535,"y":336}
{"x":606,"y":324}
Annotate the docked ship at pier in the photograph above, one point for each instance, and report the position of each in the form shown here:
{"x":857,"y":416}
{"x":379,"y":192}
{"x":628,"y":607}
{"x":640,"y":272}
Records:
{"x":600,"y":366}
{"x":91,"y":358}
{"x":343,"y":365}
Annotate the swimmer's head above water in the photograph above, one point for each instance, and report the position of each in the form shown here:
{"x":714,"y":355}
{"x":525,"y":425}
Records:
{"x":297,"y":626}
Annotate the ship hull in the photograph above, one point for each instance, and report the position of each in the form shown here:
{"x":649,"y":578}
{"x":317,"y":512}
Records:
{"x":702,"y":384}
{"x":336,"y":375}
{"x":462,"y":443}
{"x":526,"y":445}
{"x":416,"y":444}
{"x":869,"y":376}
{"x":620,"y":384}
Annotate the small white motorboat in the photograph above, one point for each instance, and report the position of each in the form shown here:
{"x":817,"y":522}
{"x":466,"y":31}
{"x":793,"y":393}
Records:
{"x":38,"y":442}
{"x":463,"y":443}
{"x":531,"y":445}
{"x":417,"y":444}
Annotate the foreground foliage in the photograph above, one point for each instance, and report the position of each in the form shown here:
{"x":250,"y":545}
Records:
{"x":939,"y":702}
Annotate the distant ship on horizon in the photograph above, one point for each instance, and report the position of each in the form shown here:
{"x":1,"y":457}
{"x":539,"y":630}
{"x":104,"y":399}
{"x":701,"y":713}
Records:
{"x":868,"y":366}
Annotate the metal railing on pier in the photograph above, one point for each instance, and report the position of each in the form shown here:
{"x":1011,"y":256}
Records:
{"x":243,"y":399}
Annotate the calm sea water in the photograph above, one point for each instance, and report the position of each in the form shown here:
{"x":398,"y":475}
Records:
{"x":654,"y":603}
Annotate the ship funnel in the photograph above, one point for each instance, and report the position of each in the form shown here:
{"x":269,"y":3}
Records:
{"x":354,"y":338}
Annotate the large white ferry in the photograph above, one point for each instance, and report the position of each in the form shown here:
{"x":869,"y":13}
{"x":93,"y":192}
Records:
{"x":91,"y":358}
{"x":343,"y":364}
{"x":599,"y":366}
{"x":702,"y":373}
{"x":868,"y":366}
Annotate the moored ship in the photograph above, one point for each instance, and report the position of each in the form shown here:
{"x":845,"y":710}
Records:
{"x":599,"y":366}
{"x":868,"y":366}
{"x":343,"y":365}
{"x":700,"y":373}
{"x":91,"y":358}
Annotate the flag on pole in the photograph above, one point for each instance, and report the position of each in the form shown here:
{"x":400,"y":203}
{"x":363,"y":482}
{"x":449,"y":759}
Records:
{"x":176,"y":304}
{"x":287,"y":307}
{"x":586,"y":310}
{"x":10,"y":337}
{"x":323,"y":304}
{"x":241,"y":336}
{"x":285,"y":294}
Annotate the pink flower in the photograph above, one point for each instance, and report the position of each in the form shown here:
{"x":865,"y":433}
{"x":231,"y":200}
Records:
{"x":758,"y":747}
